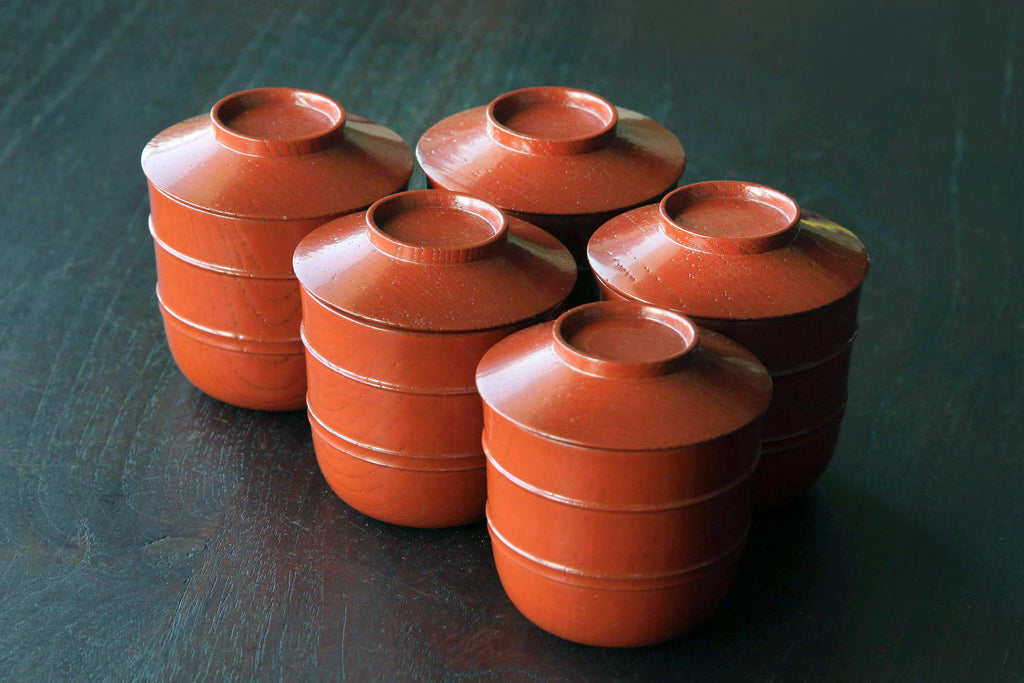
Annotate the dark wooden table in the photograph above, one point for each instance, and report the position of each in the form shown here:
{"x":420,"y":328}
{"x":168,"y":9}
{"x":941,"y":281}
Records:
{"x":149,"y":531}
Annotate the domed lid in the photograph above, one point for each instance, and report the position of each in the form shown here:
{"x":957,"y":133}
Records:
{"x":277,"y":153}
{"x":554,"y":151}
{"x":623,"y":376}
{"x":728,"y":250}
{"x":433,"y":260}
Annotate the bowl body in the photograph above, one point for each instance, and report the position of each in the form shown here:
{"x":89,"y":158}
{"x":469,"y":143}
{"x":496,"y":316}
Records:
{"x":231,"y":195}
{"x":422,"y":362}
{"x":619,"y":513}
{"x":257,"y":374}
{"x":745,"y":261}
{"x":607,"y":611}
{"x":247,"y":306}
{"x":621,"y":442}
{"x":400,"y":488}
{"x":402,"y":449}
{"x":399,"y":304}
{"x":425,"y":422}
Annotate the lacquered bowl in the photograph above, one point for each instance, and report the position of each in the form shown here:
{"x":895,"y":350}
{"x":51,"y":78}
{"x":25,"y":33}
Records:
{"x":231,"y":195}
{"x":400,"y":303}
{"x":621,"y":442}
{"x":746,"y":261}
{"x":563,"y":159}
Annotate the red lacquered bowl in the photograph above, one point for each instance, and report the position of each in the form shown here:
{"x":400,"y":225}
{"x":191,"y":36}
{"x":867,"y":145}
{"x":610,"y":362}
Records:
{"x":231,"y":195}
{"x":565,"y":160}
{"x":745,"y":261}
{"x":400,"y":303}
{"x":621,"y":441}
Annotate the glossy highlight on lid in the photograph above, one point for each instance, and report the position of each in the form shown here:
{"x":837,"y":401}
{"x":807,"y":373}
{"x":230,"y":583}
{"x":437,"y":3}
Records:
{"x":488,"y":272}
{"x":780,"y":270}
{"x":550,"y":120}
{"x":277,"y":154}
{"x":277,"y":121}
{"x":426,"y":226}
{"x":616,"y":340}
{"x":729,"y":217}
{"x":688,"y":389}
{"x":553,"y":152}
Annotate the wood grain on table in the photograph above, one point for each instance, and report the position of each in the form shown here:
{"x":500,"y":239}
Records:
{"x":149,"y":532}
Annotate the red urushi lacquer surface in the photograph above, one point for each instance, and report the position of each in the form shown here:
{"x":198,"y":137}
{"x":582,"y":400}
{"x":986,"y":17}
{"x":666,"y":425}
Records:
{"x":231,"y":195}
{"x":563,"y":159}
{"x":621,"y":442}
{"x":743,"y":260}
{"x":400,"y":302}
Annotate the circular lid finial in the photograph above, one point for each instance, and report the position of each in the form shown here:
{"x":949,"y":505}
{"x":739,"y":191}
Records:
{"x":551,"y":120}
{"x":277,"y":121}
{"x":619,"y":339}
{"x":729,"y":217}
{"x":436,"y":227}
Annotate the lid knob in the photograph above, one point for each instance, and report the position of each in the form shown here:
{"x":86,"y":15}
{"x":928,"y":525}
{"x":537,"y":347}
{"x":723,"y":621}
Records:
{"x":729,"y":217}
{"x":436,"y":227}
{"x":551,"y":120}
{"x":277,"y":122}
{"x":621,"y":339}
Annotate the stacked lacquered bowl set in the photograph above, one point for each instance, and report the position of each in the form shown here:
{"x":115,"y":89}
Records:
{"x":616,"y":448}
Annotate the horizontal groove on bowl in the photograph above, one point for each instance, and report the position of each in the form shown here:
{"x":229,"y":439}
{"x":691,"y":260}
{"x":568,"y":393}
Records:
{"x":369,"y":381}
{"x":387,"y":458}
{"x":779,"y":445}
{"x":203,"y":265}
{"x":228,"y":340}
{"x":845,"y":347}
{"x":564,"y":574}
{"x":638,"y":508}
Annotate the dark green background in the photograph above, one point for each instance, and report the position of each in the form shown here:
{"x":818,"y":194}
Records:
{"x":148,"y":531}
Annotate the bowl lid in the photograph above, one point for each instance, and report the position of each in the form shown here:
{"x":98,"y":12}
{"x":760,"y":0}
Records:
{"x":433,"y":260}
{"x":552,"y":150}
{"x":624,"y":376}
{"x":728,"y":250}
{"x":277,"y":153}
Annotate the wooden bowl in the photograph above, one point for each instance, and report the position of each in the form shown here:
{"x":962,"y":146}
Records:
{"x":231,"y":195}
{"x":621,"y":441}
{"x":565,"y":160}
{"x":745,"y":261}
{"x":400,"y":303}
